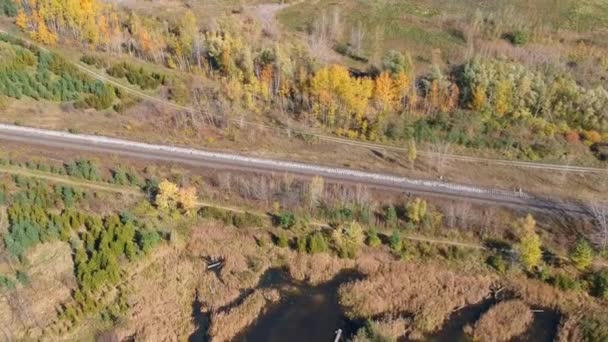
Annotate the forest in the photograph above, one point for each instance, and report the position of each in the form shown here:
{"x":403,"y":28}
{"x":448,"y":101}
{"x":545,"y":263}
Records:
{"x":523,"y":110}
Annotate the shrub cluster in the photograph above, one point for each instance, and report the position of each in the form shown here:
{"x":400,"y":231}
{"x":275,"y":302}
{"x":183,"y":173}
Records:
{"x":138,"y":76}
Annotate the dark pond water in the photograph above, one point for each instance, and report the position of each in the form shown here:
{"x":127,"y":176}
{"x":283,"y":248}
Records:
{"x":312,"y":313}
{"x":202,"y":322}
{"x":306,"y":313}
{"x":543,"y":328}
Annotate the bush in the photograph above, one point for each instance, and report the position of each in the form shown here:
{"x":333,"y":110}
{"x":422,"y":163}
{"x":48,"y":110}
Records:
{"x":301,"y":243}
{"x":498,"y":263}
{"x":137,"y":76}
{"x":102,"y":98}
{"x":83,"y":168}
{"x":565,"y":282}
{"x":600,"y":284}
{"x":23,"y":278}
{"x":373,"y":240}
{"x":581,"y":255}
{"x":518,"y":37}
{"x":390,"y":216}
{"x":282,"y":240}
{"x":395,"y":242}
{"x":286,"y":220}
{"x":317,"y":243}
{"x":147,"y":240}
{"x":6,"y":283}
{"x":93,"y":61}
{"x":246,"y":220}
{"x":8,"y":8}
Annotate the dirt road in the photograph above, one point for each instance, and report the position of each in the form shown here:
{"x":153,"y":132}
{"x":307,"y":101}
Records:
{"x":230,"y":161}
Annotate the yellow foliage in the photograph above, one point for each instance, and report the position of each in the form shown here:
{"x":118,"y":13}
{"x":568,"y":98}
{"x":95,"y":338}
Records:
{"x":43,"y":19}
{"x":384,"y":92}
{"x":478,"y":102}
{"x":503,"y":94}
{"x":401,"y":86}
{"x":21,"y":20}
{"x":187,"y":198}
{"x":337,"y":93}
{"x":167,"y":195}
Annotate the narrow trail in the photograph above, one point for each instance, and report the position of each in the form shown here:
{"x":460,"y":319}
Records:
{"x":133,"y":191}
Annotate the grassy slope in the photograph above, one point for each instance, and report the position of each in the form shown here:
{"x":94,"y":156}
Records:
{"x":420,"y":26}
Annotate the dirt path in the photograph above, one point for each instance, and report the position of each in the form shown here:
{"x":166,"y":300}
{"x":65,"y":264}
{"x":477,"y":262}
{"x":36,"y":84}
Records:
{"x":266,"y":15}
{"x":126,"y":190}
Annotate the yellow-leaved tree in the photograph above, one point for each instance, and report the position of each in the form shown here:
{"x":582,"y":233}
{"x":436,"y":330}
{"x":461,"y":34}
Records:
{"x":529,"y":246}
{"x":166,"y":198}
{"x":384,"y":92}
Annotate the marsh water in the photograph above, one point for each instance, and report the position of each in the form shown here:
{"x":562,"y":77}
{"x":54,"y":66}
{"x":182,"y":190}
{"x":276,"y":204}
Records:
{"x":543,"y":328}
{"x":305,"y":313}
{"x":313,"y":313}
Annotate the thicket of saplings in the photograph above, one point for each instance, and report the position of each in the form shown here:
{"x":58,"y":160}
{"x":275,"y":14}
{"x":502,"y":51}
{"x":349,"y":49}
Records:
{"x":26,"y":71}
{"x":39,"y":212}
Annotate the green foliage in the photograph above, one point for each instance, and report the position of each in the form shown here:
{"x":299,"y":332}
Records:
{"x":416,"y":210}
{"x":104,"y":242}
{"x":102,"y":98}
{"x":566,"y":282}
{"x":239,"y":220}
{"x":301,"y":243}
{"x":27,"y":71}
{"x":8,"y":8}
{"x":317,"y":243}
{"x":282,"y":240}
{"x":83,"y":168}
{"x":395,"y":242}
{"x":542,"y":100}
{"x":246,"y":219}
{"x":373,"y":240}
{"x":348,"y":239}
{"x":518,"y":37}
{"x":147,"y":240}
{"x":93,"y":61}
{"x":6,"y":283}
{"x":22,"y":236}
{"x":498,"y":263}
{"x":581,"y":255}
{"x":119,"y":176}
{"x":138,"y":76}
{"x":600,"y":284}
{"x":396,"y":63}
{"x":286,"y":220}
{"x":390,"y":216}
{"x":23,"y":278}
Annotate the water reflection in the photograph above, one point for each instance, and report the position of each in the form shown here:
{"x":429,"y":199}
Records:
{"x":305,"y":313}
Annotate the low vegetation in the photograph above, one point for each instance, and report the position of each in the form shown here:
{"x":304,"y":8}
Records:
{"x":503,"y":322}
{"x":226,"y":325}
{"x":398,"y":288}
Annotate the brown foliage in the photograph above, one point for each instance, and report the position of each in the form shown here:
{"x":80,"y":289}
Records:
{"x":226,"y":325}
{"x":430,"y":292}
{"x":316,"y":268}
{"x":503,"y":322}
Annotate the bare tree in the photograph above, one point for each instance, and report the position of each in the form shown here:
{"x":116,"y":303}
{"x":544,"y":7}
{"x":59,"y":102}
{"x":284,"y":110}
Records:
{"x":599,"y":237}
{"x":357,"y":35}
{"x":440,"y":153}
{"x":315,"y":190}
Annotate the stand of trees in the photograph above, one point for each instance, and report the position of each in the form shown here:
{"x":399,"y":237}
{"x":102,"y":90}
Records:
{"x":28,"y":71}
{"x":39,"y":213}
